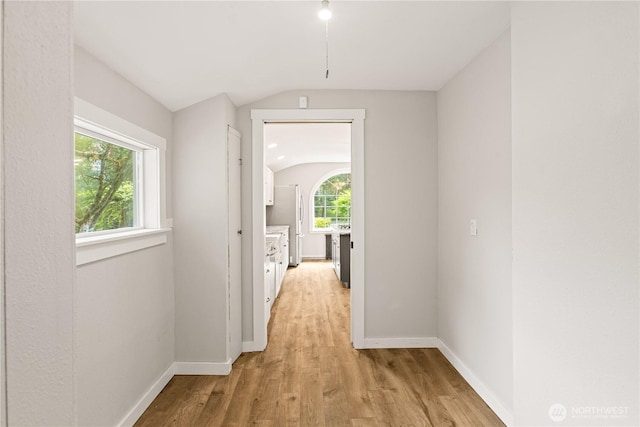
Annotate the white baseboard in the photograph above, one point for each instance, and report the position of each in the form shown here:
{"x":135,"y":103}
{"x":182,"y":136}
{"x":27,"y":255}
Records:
{"x":202,"y":368}
{"x":485,"y":393}
{"x":176,"y":368}
{"x":146,"y":399}
{"x":224,"y":368}
{"x":416,"y":342}
{"x":250,"y":346}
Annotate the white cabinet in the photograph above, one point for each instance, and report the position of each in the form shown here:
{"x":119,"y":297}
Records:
{"x":269,"y":287}
{"x":281,"y":259}
{"x":279,"y":277}
{"x":335,"y":253}
{"x":284,"y":261}
{"x":268,"y":186}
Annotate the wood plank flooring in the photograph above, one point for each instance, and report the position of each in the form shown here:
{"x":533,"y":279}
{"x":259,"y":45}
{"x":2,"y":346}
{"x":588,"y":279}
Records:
{"x":310,"y":375}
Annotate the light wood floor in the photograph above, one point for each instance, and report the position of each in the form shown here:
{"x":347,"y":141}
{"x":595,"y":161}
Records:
{"x":310,"y":375}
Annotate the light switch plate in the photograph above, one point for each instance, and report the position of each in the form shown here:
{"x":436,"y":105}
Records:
{"x":473,"y":228}
{"x":303,"y":102}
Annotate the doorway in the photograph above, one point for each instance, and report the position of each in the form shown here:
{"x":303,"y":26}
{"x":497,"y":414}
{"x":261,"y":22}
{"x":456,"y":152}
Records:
{"x":356,"y":119}
{"x":300,"y":157}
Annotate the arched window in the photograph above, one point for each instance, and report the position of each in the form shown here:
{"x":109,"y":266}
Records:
{"x":332,"y":202}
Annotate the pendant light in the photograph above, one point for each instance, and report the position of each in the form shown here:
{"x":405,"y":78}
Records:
{"x":325,"y":14}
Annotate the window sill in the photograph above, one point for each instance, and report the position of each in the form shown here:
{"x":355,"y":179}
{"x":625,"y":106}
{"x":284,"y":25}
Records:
{"x":96,"y":248}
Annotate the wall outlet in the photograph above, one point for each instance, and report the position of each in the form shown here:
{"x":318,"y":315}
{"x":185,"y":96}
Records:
{"x":473,"y":228}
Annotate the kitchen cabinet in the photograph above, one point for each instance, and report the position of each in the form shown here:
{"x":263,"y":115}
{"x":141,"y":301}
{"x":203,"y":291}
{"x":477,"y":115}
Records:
{"x":269,"y":286}
{"x":286,"y":258}
{"x":341,"y":256}
{"x":328,"y":246}
{"x":281,"y":256}
{"x":283,"y":262}
{"x":268,"y":187}
{"x":279,"y":277}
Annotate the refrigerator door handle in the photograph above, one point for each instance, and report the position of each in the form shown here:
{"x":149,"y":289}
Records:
{"x":301,"y":210}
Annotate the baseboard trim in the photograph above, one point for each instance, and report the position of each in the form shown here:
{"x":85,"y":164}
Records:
{"x":202,"y":368}
{"x":250,"y":346}
{"x":145,"y":401}
{"x":485,"y":393}
{"x":416,"y":342}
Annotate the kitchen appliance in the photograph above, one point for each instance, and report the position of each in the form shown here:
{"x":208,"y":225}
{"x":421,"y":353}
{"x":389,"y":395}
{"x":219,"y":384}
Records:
{"x":288,"y":209}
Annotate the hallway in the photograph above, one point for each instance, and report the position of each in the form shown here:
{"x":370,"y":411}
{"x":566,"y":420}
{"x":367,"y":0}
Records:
{"x":310,"y":374}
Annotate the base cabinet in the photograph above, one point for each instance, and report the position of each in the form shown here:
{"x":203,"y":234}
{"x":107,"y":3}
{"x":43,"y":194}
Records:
{"x":269,"y":287}
{"x":341,"y":256}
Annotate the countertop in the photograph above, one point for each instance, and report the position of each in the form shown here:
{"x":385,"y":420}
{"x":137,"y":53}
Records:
{"x":277,"y":228}
{"x":340,"y":232}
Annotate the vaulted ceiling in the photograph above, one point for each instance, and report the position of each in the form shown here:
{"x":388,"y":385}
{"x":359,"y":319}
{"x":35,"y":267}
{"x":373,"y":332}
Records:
{"x":183,"y":52}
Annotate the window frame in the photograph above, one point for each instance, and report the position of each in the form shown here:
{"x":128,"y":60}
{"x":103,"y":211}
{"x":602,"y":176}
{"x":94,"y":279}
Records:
{"x":152,"y":226}
{"x":312,"y":205}
{"x":138,"y":149}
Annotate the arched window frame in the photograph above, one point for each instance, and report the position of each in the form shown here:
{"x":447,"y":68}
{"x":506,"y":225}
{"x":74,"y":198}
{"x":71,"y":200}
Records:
{"x":311,"y":204}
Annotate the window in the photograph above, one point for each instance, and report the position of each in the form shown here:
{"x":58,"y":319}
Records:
{"x":119,"y":185}
{"x":332,"y":203}
{"x":107,"y":183}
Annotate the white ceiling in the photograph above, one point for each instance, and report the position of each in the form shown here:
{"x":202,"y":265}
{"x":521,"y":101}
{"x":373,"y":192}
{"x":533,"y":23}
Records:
{"x":181,"y":52}
{"x":299,"y":143}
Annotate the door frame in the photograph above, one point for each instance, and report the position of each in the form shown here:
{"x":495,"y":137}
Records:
{"x":258,"y":218}
{"x":234,"y":314}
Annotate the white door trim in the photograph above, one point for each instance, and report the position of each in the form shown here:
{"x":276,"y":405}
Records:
{"x":234,"y":269}
{"x":258,"y":119}
{"x":3,"y":356}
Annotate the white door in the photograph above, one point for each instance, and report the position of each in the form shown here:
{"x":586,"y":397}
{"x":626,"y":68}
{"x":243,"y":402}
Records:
{"x":234,"y":163}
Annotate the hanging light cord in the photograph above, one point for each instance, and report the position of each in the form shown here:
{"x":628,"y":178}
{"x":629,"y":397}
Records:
{"x":326,"y":39}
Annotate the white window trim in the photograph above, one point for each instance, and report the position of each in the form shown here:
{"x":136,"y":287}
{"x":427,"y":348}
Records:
{"x":312,"y":204}
{"x":91,"y":248}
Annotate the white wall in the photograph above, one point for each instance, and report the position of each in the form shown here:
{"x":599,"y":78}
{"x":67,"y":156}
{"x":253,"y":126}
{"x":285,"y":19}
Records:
{"x":474,"y":182}
{"x":575,"y":209}
{"x":307,"y":176}
{"x":125,"y":310}
{"x":3,"y":372}
{"x":38,"y":192}
{"x":200,"y":229}
{"x":121,"y":97}
{"x":400,"y":170}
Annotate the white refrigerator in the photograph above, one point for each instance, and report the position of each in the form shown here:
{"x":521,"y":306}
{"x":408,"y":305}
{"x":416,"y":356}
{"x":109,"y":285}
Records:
{"x":288,"y":209}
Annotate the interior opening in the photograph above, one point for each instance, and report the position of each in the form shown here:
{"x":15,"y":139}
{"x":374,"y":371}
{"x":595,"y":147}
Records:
{"x":307,"y":183}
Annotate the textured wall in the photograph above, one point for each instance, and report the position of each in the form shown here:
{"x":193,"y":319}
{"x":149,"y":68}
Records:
{"x":95,"y":82}
{"x":400,"y":205}
{"x":575,"y":209}
{"x":200,"y":229}
{"x":474,"y":182}
{"x":39,"y":239}
{"x":125,"y":305}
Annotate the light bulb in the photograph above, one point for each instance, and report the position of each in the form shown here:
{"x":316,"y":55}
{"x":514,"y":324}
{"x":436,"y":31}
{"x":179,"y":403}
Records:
{"x":325,"y":12}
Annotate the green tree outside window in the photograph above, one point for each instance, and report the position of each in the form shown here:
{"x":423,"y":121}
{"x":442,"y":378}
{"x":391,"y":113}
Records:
{"x":105,"y":185}
{"x":332,"y":202}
